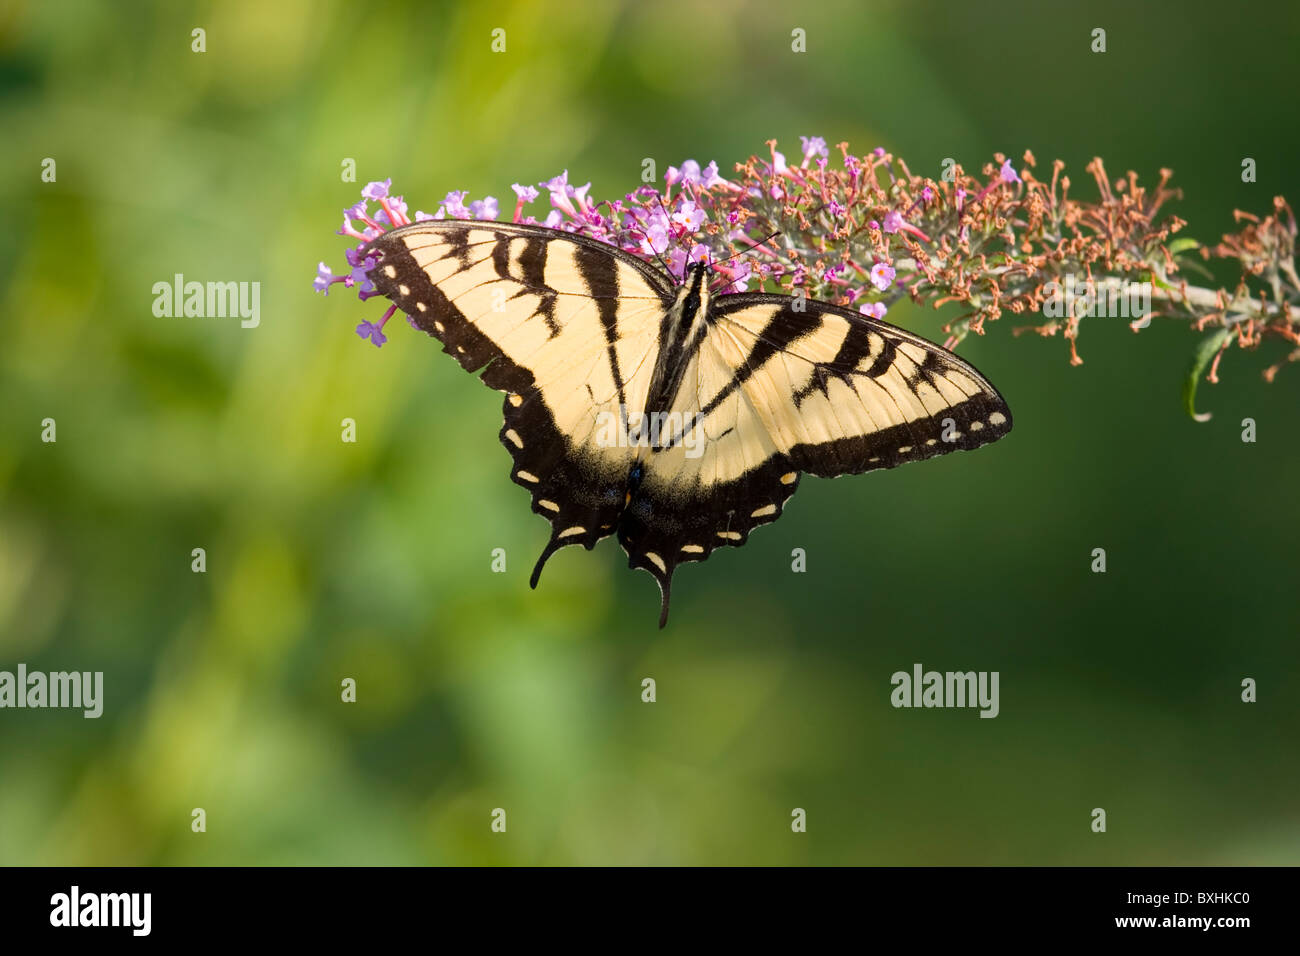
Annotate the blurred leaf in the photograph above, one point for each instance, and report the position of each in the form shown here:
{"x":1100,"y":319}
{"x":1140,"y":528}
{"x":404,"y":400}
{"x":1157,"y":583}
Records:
{"x":1204,"y":353}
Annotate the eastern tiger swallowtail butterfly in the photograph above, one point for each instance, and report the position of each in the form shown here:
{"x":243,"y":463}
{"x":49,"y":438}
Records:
{"x":649,"y":409}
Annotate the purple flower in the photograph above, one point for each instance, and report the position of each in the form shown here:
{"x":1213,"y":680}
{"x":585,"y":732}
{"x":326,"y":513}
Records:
{"x":876,"y":310}
{"x":880,"y":152}
{"x":374,"y":331}
{"x":677,"y":262}
{"x":654,"y":228}
{"x":778,"y":160}
{"x":835,"y":209}
{"x":679,"y":258}
{"x":740,"y":276}
{"x":689,"y":215}
{"x":655,"y":240}
{"x":1008,"y":173}
{"x":525,"y":193}
{"x":927,"y":194}
{"x":580,"y":194}
{"x":560,"y":192}
{"x":710,"y":177}
{"x":893,"y":221}
{"x":347,"y":229}
{"x":485,"y":208}
{"x":558,"y":184}
{"x":813,"y":146}
{"x":454,"y":204}
{"x":377,"y":190}
{"x":882,"y":275}
{"x":360,"y":278}
{"x":553,"y":219}
{"x":421,"y":216}
{"x":397,"y":204}
{"x":324,"y":279}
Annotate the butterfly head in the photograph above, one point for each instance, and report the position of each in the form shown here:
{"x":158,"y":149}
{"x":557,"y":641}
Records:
{"x":695,"y":290}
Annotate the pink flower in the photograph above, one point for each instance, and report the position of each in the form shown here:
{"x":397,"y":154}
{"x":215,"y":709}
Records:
{"x":882,"y":275}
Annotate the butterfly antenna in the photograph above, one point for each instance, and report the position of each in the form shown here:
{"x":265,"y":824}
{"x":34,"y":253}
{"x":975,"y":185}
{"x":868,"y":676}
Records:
{"x":762,"y":242}
{"x":669,"y":220}
{"x":741,"y":252}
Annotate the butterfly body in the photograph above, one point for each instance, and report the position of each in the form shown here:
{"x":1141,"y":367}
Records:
{"x":675,"y":419}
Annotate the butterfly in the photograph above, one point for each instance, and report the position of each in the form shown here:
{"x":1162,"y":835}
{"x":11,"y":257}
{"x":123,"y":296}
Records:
{"x":647,"y":407}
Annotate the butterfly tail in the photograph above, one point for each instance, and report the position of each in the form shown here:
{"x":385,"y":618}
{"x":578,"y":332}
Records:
{"x":665,"y":589}
{"x":551,"y":547}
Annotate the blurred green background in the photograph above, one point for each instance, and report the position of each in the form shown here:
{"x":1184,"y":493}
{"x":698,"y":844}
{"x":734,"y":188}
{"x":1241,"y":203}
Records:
{"x":372,"y":560}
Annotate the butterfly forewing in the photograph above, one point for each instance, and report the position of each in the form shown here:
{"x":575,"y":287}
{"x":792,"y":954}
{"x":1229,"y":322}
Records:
{"x":567,"y":329}
{"x":851,"y":394}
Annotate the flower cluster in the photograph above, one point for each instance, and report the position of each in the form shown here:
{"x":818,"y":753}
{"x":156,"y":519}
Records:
{"x":864,"y":231}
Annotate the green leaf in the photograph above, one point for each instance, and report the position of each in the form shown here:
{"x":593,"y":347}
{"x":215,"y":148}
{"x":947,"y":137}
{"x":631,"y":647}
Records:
{"x":1156,"y":280}
{"x":1204,"y":353}
{"x":1182,"y":245}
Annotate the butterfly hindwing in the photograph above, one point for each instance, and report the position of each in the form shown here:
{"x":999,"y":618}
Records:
{"x":566,"y":327}
{"x":724,"y":477}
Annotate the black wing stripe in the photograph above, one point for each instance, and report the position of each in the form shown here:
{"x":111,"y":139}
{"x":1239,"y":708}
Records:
{"x":601,"y":277}
{"x":786,"y":326}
